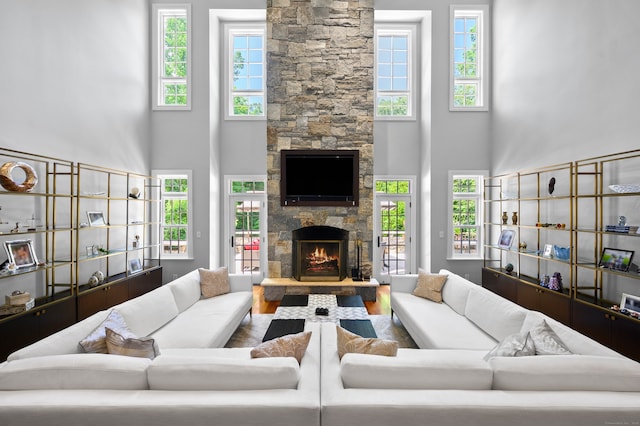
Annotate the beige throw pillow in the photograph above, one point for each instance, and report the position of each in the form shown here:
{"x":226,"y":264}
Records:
{"x":349,"y":342}
{"x":294,"y":345}
{"x":96,"y":342}
{"x":144,"y":347}
{"x":430,"y":286}
{"x":214,"y":282}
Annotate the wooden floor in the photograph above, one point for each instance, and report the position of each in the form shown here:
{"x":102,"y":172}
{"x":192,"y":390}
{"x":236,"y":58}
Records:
{"x":381,"y":306}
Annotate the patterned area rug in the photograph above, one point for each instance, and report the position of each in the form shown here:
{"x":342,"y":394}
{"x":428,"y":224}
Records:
{"x":252,"y":329}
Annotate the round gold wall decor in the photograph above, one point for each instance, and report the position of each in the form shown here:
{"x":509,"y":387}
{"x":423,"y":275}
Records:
{"x":9,"y":184}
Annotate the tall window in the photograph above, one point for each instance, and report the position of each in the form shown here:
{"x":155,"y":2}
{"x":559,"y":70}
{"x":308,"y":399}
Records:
{"x":469,"y":59}
{"x":175,"y":214}
{"x":465,"y":212}
{"x":172,"y":56}
{"x":394,"y":72}
{"x":246,"y":71}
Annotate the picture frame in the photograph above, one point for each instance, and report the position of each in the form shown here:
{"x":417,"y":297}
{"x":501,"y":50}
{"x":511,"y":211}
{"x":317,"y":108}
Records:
{"x":506,"y":238}
{"x":630,"y":302}
{"x":135,"y":266}
{"x":21,"y":253}
{"x":616,"y":259}
{"x":548,"y":250}
{"x":96,"y":219}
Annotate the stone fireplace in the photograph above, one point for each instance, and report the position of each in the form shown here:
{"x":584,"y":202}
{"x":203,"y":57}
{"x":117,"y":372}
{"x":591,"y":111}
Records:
{"x":320,"y":95}
{"x":320,"y":253}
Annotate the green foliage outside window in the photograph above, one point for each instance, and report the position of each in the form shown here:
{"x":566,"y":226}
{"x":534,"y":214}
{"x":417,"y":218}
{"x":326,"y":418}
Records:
{"x":175,"y":59}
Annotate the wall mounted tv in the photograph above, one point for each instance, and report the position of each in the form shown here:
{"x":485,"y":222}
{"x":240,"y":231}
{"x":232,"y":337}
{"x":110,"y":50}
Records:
{"x":319,"y":177}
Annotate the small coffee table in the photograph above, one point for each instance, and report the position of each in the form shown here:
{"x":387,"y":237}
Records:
{"x":347,"y":311}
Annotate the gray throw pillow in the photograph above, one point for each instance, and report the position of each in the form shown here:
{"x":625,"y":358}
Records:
{"x":547,"y":341}
{"x":518,"y":344}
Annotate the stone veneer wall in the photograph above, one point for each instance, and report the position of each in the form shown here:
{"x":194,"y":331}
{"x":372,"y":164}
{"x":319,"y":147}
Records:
{"x":320,"y":73}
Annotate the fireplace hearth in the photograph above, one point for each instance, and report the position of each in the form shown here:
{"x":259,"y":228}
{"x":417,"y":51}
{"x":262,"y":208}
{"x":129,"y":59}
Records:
{"x":320,"y":253}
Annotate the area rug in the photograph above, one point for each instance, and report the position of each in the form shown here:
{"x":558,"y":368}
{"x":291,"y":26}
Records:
{"x":252,"y":330}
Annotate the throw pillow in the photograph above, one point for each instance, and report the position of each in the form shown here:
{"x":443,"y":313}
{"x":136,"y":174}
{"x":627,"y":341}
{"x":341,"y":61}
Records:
{"x":214,"y":282}
{"x":96,"y":342}
{"x":547,"y":341}
{"x":294,"y":345}
{"x":430,"y":286}
{"x":349,"y":342}
{"x":144,"y":347}
{"x":518,"y":344}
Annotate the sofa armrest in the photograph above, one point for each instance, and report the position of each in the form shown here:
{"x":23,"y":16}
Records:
{"x":404,"y":283}
{"x":240,"y":282}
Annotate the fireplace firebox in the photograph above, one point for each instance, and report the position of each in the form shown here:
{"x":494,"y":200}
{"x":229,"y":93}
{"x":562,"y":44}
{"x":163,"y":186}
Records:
{"x":320,"y":253}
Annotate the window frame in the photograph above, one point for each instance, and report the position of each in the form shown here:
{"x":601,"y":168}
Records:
{"x":160,"y":10}
{"x":478,"y":197}
{"x":409,"y":29}
{"x":249,"y":28}
{"x":481,"y":13}
{"x":173,"y":174}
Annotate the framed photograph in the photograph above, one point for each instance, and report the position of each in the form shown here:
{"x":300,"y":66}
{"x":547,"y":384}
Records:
{"x":96,"y":219}
{"x":548,"y":250}
{"x":506,"y":238}
{"x":616,"y":259}
{"x":135,"y":266}
{"x":630,"y":303}
{"x":20,"y":253}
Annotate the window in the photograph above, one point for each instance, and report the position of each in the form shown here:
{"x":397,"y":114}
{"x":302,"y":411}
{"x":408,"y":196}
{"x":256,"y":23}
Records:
{"x":465,"y":212}
{"x":175,"y":214}
{"x":469,"y":89}
{"x":172,"y":57}
{"x":245,"y":70}
{"x":394,"y":71}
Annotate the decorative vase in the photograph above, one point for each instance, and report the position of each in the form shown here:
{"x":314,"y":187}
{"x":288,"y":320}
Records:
{"x":505,"y":218}
{"x":514,"y":218}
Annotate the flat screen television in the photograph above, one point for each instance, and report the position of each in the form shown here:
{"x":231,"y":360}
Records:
{"x":319,"y":177}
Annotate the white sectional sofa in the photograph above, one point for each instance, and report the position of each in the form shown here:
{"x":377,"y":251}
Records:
{"x":451,"y":381}
{"x":194,"y":380}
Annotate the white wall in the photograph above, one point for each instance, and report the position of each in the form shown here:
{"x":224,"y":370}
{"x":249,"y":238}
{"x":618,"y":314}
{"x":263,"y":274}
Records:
{"x":564,"y":80}
{"x":74,"y":80}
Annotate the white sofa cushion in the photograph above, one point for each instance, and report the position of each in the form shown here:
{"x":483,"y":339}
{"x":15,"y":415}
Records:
{"x":455,"y":291}
{"x":149,"y":312}
{"x":425,"y":321}
{"x":565,"y":373}
{"x":207,"y":323}
{"x":75,"y":371}
{"x":186,"y":290}
{"x":497,"y":316}
{"x":176,"y":372}
{"x":417,"y":369}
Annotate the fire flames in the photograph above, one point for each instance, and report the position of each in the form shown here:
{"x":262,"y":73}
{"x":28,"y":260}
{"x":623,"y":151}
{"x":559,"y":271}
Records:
{"x":319,"y":259}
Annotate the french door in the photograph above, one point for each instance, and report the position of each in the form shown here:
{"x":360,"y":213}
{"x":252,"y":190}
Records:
{"x":393,"y":230}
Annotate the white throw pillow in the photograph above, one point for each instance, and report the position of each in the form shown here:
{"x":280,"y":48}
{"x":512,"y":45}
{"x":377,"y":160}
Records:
{"x":75,"y":371}
{"x":565,"y":373}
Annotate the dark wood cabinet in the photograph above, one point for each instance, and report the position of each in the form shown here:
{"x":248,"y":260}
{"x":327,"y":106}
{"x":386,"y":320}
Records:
{"x":554,"y":304}
{"x":500,"y":284}
{"x":145,"y":282}
{"x":614,"y":330}
{"x":102,"y":298}
{"x":35,"y":324}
